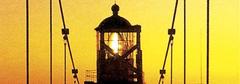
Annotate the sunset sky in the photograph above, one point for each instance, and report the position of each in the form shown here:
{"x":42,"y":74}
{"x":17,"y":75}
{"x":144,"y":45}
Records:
{"x":154,"y":16}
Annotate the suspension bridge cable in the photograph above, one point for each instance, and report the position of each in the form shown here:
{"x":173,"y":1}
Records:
{"x":171,"y":63}
{"x":171,"y":32}
{"x":70,"y":51}
{"x":174,"y":15}
{"x":166,"y":54}
{"x":65,"y":32}
{"x":208,"y":19}
{"x":50,"y":41}
{"x":62,"y":14}
{"x":27,"y":41}
{"x":171,"y":36}
{"x":65,"y":63}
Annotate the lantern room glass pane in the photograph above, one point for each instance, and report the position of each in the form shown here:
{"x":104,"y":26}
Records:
{"x":120,"y":42}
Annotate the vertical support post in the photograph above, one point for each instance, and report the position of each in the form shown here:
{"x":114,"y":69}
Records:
{"x":27,"y":41}
{"x":101,"y":59}
{"x":98,"y":57}
{"x":208,"y":41}
{"x":139,"y":59}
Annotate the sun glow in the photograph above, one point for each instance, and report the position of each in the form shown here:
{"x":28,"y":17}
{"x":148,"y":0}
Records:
{"x":114,"y":44}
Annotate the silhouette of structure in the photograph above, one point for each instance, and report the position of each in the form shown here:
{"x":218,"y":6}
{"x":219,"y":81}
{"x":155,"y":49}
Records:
{"x":119,"y":54}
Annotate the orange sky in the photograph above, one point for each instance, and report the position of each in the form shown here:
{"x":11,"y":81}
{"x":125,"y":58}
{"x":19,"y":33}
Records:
{"x":83,"y":16}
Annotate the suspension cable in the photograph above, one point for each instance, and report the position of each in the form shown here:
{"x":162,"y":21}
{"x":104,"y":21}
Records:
{"x":65,"y":32}
{"x":174,"y":14}
{"x":62,"y":14}
{"x":208,"y":19}
{"x":51,"y":41}
{"x":171,"y":63}
{"x":65,"y":63}
{"x":27,"y":41}
{"x":171,"y":32}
